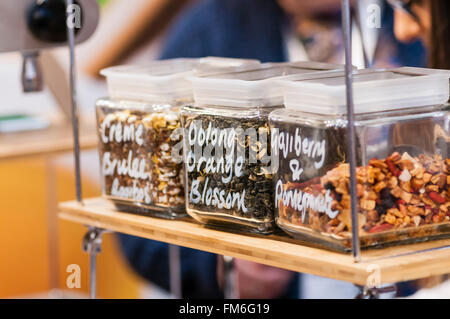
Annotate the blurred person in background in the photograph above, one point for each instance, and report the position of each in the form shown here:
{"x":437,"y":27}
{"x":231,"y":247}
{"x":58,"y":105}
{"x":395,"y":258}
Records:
{"x":429,"y":22}
{"x":271,"y":31}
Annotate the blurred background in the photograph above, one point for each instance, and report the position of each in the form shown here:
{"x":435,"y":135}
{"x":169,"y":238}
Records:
{"x":30,"y":187}
{"x":36,"y":247}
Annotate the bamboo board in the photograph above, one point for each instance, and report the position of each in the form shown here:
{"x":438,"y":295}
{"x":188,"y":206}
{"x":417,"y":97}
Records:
{"x":274,"y":250}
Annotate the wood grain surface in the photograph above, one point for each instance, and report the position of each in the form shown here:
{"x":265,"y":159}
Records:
{"x":388,"y":265}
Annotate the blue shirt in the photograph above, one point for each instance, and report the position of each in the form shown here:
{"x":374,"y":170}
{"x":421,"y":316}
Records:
{"x":229,"y":28}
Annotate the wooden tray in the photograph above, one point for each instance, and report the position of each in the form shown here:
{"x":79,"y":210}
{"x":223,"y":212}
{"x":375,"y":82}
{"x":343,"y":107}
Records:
{"x":387,"y":265}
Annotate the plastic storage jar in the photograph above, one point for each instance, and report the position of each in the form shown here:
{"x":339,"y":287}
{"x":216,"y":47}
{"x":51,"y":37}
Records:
{"x":402,"y":136}
{"x":228,"y":167}
{"x":139,"y":133}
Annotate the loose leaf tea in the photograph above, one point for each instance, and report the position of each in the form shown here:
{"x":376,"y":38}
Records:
{"x":228,"y":169}
{"x":136,"y":159}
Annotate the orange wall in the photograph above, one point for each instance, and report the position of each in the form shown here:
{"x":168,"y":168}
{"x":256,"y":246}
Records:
{"x":24,"y":257}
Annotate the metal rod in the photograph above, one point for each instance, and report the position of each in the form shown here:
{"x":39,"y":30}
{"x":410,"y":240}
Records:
{"x":92,"y":244}
{"x":346,"y":28}
{"x":93,"y":274}
{"x":73,"y":95}
{"x":175,"y":271}
{"x":230,"y":280}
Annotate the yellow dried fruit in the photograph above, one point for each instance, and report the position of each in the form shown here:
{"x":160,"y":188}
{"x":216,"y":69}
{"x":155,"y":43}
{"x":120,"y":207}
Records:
{"x":406,"y":186}
{"x":427,"y":177}
{"x":390,"y":219}
{"x":417,"y":183}
{"x":432,"y":188}
{"x":367,"y":204}
{"x":393,"y":182}
{"x":379,"y":186}
{"x":397,"y":192}
{"x":407,"y":219}
{"x":406,"y":197}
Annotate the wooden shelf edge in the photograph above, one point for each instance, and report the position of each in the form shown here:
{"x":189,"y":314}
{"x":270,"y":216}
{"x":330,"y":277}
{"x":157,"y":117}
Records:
{"x":51,"y":141}
{"x":100,"y":213}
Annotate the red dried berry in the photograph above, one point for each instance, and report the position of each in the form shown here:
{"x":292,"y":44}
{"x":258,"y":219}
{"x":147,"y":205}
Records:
{"x":437,"y":198}
{"x":380,"y":228}
{"x":392,"y":168}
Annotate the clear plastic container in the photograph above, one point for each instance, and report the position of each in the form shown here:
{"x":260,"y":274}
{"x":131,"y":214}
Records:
{"x":228,"y":165}
{"x":402,"y":136}
{"x":140,"y":136}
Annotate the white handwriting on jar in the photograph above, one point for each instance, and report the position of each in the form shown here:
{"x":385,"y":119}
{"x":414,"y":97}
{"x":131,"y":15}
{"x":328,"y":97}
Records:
{"x":215,"y":164}
{"x":216,"y":197}
{"x":134,"y":192}
{"x":132,"y":166}
{"x":122,"y":133}
{"x":301,"y":201}
{"x":287,"y":143}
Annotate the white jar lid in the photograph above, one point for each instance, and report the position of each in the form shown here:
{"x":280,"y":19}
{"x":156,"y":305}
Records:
{"x":165,"y":81}
{"x":373,"y":91}
{"x":256,"y":87}
{"x":212,"y":65}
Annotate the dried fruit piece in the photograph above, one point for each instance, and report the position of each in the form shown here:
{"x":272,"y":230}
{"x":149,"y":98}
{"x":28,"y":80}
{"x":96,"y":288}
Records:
{"x":406,"y":197}
{"x":380,"y":228}
{"x":372,"y":216}
{"x":379,"y":186}
{"x":393,"y":193}
{"x":406,"y":186}
{"x":390,"y":218}
{"x":432,"y":188}
{"x":393,"y":182}
{"x":397,"y":192}
{"x":427,"y":177}
{"x":392,"y":168}
{"x":417,"y":184}
{"x":437,"y":198}
{"x":417,"y":220}
{"x":405,"y":176}
{"x":367,"y":204}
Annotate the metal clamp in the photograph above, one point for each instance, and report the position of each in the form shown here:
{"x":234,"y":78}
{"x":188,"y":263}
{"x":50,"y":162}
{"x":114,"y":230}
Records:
{"x":374,"y":293}
{"x":92,"y":244}
{"x":92,"y":241}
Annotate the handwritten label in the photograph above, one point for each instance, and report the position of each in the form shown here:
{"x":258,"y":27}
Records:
{"x":128,"y":164}
{"x":224,"y":165}
{"x":302,"y":201}
{"x":295,"y":149}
